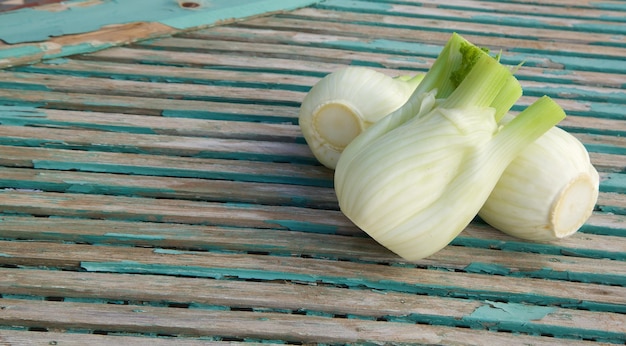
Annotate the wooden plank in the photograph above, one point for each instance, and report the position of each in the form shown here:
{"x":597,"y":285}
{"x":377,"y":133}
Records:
{"x":118,"y":216}
{"x":581,"y":124}
{"x":586,"y":129}
{"x":155,"y":165}
{"x":240,"y":324}
{"x":181,"y":146}
{"x":38,"y":338}
{"x":155,"y":106}
{"x":146,"y":124}
{"x":26,"y":53}
{"x":190,"y":212}
{"x":429,"y":17}
{"x":179,"y":188}
{"x":134,"y":105}
{"x":338,"y":44}
{"x":62,"y":83}
{"x":510,"y":46}
{"x":616,"y":200}
{"x":590,"y":237}
{"x":564,"y":261}
{"x":233,"y":147}
{"x":608,"y":162}
{"x":174,"y":211}
{"x":505,"y":18}
{"x":574,"y":3}
{"x":124,"y":54}
{"x":76,"y":17}
{"x":70,"y":28}
{"x":533,"y":88}
{"x":303,"y":299}
{"x":534,"y":9}
{"x":262,"y":267}
{"x":169,"y":187}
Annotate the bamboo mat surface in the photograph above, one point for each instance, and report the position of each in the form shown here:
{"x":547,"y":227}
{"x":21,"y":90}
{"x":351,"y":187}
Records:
{"x":160,"y":192}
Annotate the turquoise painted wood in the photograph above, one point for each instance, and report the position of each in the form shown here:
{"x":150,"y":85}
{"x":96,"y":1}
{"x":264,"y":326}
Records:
{"x":81,"y":16}
{"x":77,"y":17}
{"x":158,"y":190}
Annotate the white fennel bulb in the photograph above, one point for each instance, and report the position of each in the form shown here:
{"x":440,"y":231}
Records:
{"x":547,"y":193}
{"x":414,"y":180}
{"x":345,"y":102}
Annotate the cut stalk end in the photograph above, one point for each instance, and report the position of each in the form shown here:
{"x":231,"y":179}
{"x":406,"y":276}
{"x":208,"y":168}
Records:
{"x":487,"y":82}
{"x":336,"y":124}
{"x":574,"y":205}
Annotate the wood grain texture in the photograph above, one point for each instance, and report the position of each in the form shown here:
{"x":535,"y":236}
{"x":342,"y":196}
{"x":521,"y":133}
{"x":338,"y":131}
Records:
{"x":161,"y":192}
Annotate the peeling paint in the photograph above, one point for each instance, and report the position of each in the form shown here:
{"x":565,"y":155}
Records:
{"x":514,"y":312}
{"x":135,"y":236}
{"x":300,"y":226}
{"x":39,"y":25}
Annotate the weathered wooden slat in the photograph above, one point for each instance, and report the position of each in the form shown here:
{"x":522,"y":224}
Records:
{"x":304,"y":299}
{"x":181,"y":146}
{"x":261,"y":267}
{"x":171,"y":166}
{"x":168,"y":187}
{"x":576,"y":123}
{"x":163,"y":189}
{"x":157,"y":186}
{"x":202,"y":146}
{"x":155,"y":106}
{"x":588,"y":238}
{"x":608,"y":162}
{"x":216,"y":60}
{"x":195,"y":212}
{"x":27,"y":338}
{"x":174,"y":211}
{"x":580,"y":124}
{"x":241,"y":324}
{"x":275,"y":50}
{"x":615,"y":200}
{"x":521,"y":263}
{"x":536,"y":9}
{"x":156,"y":165}
{"x":517,"y":20}
{"x":209,"y":42}
{"x":605,"y":224}
{"x":171,"y":74}
{"x":213,"y":110}
{"x":66,"y":28}
{"x":61,"y":83}
{"x":26,"y":53}
{"x":433,"y":19}
{"x":510,"y":46}
{"x":142,"y":124}
{"x":589,"y":130}
{"x":600,"y":143}
{"x":615,"y":4}
{"x":190,"y":167}
{"x":409,"y":56}
{"x":124,"y":54}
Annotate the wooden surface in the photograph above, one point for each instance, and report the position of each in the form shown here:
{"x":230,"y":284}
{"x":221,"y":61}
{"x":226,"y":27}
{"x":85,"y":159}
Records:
{"x":161,"y":192}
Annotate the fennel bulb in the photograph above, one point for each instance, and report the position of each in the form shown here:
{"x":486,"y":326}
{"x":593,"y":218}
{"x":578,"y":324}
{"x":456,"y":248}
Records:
{"x":345,"y":102}
{"x":416,"y":178}
{"x":547,"y":193}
